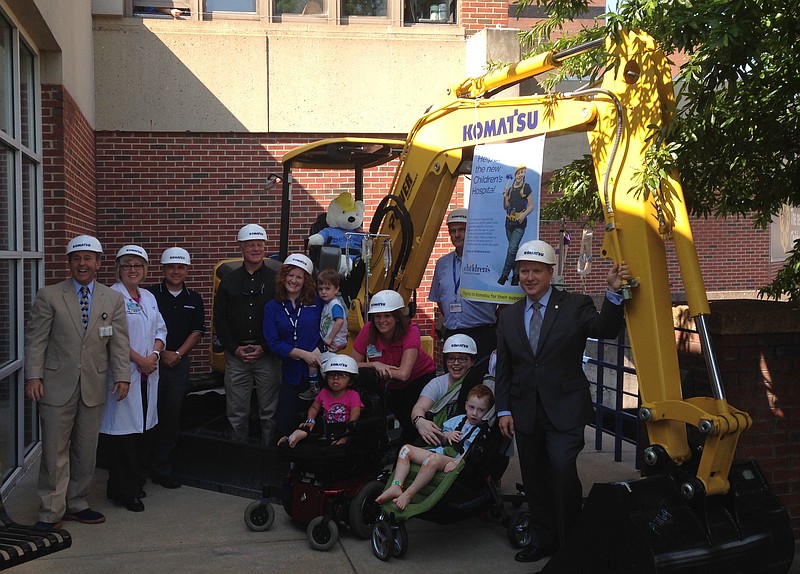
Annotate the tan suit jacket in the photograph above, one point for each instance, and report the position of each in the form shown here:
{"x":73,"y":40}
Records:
{"x":63,"y":355}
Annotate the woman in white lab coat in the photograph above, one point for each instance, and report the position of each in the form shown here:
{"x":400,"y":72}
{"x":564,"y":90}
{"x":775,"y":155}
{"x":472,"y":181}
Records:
{"x":125,"y":431}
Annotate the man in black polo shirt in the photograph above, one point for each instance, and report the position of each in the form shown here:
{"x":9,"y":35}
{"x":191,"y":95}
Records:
{"x":182,"y":310}
{"x":239,"y":327}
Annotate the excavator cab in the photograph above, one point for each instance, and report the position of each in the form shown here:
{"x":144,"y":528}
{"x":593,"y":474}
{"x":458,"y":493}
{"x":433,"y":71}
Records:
{"x":355,"y":155}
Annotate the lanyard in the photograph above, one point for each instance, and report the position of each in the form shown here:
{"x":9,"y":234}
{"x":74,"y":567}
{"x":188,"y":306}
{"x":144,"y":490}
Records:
{"x":456,"y":274}
{"x":296,"y":319}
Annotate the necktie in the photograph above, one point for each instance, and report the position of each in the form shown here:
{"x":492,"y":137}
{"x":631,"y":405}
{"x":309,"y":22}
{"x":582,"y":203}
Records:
{"x":84,"y":301}
{"x":535,"y":326}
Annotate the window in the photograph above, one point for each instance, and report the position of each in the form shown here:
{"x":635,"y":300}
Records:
{"x":162,"y":8}
{"x":398,"y":12}
{"x":231,"y":6}
{"x":21,"y":256}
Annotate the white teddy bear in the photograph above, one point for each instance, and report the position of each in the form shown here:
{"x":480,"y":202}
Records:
{"x":344,"y":215}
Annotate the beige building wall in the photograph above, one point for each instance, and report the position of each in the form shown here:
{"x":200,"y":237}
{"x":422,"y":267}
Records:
{"x":62,"y":32}
{"x":164,"y":75}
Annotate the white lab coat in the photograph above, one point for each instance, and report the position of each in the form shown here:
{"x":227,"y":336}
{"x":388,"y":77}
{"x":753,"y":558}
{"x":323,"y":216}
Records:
{"x":145,"y":325}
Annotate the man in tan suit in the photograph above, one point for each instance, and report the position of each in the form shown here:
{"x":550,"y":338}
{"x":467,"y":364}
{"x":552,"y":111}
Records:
{"x":76,"y":333}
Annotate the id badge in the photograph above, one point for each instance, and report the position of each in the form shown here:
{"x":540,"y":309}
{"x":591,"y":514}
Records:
{"x":133,"y":308}
{"x":106,"y":331}
{"x":455,"y":307}
{"x":373,"y":352}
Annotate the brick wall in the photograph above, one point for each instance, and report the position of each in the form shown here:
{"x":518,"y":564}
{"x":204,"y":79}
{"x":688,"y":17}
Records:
{"x":758,"y":349}
{"x":196,"y":190}
{"x":475,"y":15}
{"x":68,"y":177}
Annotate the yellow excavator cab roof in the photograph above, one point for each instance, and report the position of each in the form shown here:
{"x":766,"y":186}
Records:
{"x":344,"y":153}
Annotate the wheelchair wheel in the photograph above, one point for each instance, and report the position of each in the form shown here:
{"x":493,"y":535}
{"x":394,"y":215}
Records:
{"x":322,"y":533}
{"x":400,"y":546}
{"x":382,"y":540}
{"x":517,"y":529}
{"x":364,"y":511}
{"x":259,"y":517}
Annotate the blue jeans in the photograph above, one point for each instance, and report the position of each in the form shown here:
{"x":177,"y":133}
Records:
{"x":514,"y":233}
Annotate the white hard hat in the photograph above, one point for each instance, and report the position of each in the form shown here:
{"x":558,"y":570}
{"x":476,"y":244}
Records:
{"x":251,"y":231}
{"x":133,"y":250}
{"x":176,"y":255}
{"x":457,"y":216}
{"x":460,"y":343}
{"x":84,"y":243}
{"x":386,"y":301}
{"x":301,"y":261}
{"x":341,"y":363}
{"x":536,"y":250}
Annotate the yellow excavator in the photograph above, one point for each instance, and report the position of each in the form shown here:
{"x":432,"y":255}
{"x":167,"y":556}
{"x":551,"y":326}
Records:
{"x":696,"y":510}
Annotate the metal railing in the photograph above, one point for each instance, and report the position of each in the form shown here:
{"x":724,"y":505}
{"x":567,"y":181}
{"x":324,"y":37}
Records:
{"x":615,"y":392}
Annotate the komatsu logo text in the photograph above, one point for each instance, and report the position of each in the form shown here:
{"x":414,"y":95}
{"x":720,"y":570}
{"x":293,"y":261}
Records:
{"x":510,"y":124}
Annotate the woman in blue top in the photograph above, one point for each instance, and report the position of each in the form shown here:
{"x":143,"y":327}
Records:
{"x":291,"y":329}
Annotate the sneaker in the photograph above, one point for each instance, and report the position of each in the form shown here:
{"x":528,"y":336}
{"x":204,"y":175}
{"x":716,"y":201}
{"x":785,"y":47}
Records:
{"x":309,"y":395}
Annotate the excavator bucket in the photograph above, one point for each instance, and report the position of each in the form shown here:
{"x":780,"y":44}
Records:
{"x":646,"y":526}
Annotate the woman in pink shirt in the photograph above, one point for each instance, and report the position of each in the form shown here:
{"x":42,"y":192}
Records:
{"x":390,"y":347}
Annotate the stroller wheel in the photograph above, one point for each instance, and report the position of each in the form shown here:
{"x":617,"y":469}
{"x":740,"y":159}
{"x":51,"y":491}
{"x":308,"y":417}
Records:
{"x":517,"y":529}
{"x":259,"y":517}
{"x":382,"y":540}
{"x":364,"y":511}
{"x":400,"y":546}
{"x":322,"y":533}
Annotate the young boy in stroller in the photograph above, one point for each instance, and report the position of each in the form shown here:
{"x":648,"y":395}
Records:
{"x":336,"y":462}
{"x":472,"y":487}
{"x":458,"y":433}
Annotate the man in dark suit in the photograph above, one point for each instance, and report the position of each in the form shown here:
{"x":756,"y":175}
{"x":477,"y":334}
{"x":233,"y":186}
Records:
{"x":77,"y":333}
{"x":542,"y":394}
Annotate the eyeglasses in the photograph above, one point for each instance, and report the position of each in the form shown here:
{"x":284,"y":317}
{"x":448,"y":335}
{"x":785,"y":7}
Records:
{"x":338,"y":375}
{"x":461,"y":360}
{"x":127,"y":267}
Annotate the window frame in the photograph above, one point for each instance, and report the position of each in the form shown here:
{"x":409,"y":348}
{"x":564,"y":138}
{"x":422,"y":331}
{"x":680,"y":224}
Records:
{"x":25,"y":263}
{"x":264,"y":12}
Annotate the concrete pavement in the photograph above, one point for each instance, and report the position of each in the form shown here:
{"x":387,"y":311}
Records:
{"x":195,"y":530}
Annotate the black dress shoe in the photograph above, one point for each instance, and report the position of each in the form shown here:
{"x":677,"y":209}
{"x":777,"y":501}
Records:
{"x":515,"y":280}
{"x":135,"y":505}
{"x":41,"y":525}
{"x":532,"y":554}
{"x":167,"y":481}
{"x":502,"y":280}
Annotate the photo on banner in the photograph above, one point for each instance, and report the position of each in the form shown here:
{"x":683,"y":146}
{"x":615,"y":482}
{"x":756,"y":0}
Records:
{"x":504,"y":207}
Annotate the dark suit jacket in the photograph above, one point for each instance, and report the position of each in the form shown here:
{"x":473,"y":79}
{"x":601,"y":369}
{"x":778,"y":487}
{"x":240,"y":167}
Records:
{"x":555,"y":373}
{"x":62,"y":354}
